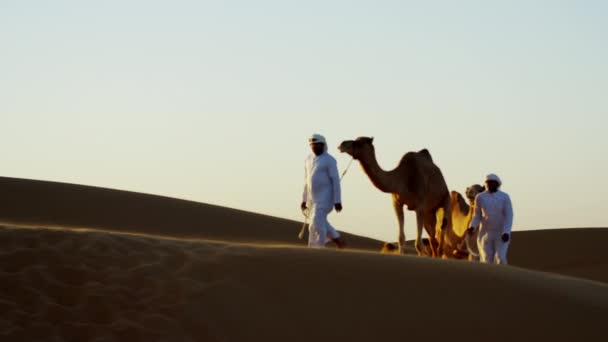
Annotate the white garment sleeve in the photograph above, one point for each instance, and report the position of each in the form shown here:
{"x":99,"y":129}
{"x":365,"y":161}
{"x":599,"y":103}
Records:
{"x":334,"y":176}
{"x":305,"y":192}
{"x":508,"y":208}
{"x":477,"y":214}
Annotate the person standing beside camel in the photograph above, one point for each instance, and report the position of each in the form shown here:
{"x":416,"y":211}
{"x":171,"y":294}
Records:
{"x":322,"y":193}
{"x":494,"y":216}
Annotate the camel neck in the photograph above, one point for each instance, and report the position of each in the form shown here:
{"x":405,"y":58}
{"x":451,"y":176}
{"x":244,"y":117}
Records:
{"x":379,"y":177}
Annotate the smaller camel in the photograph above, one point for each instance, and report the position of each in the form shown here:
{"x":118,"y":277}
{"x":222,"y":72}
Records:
{"x":460,"y":242}
{"x":416,"y":183}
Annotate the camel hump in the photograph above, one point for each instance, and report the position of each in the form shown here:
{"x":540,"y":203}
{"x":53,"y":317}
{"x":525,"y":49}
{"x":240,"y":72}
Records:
{"x":425,"y":153}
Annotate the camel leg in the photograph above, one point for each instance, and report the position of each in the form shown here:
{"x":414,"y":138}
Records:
{"x":401,"y":220}
{"x":419,"y":225}
{"x":429,"y":224}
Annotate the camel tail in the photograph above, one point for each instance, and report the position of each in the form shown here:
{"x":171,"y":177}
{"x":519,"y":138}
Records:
{"x":458,"y":201}
{"x":447,"y":207}
{"x":446,"y":223}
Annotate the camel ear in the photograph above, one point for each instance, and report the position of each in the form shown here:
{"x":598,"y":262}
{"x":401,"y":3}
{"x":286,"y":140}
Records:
{"x":371,"y":140}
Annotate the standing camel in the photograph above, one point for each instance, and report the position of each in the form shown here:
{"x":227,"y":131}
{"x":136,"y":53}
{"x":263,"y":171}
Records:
{"x":416,"y":183}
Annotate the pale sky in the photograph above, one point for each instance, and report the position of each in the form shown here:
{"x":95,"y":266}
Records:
{"x":213,"y":101}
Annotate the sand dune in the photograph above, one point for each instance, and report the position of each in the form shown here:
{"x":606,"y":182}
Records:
{"x":51,"y":204}
{"x":579,"y":252}
{"x":95,"y":286}
{"x":176,"y":284}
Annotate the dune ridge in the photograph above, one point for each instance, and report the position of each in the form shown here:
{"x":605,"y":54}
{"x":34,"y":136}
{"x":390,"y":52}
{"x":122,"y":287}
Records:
{"x":36,"y":203}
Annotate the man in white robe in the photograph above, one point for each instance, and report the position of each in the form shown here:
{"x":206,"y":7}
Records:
{"x":494,"y":217}
{"x":322,"y":194}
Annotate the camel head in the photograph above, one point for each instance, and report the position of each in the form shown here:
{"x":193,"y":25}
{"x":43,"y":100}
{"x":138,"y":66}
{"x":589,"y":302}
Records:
{"x":473,"y":190}
{"x":358,"y":147}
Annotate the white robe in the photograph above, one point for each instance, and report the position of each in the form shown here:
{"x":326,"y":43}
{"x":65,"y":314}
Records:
{"x":494,"y":216}
{"x":321,"y":192}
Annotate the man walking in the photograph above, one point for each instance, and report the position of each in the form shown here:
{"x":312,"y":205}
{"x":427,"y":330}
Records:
{"x":494,"y":216}
{"x":322,"y":193}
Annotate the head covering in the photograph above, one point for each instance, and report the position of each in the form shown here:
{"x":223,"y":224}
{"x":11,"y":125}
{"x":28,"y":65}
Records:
{"x":318,"y":139}
{"x":493,"y":177}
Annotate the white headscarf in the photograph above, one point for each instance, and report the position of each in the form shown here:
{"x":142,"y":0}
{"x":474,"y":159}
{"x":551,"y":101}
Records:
{"x":318,"y":139}
{"x":493,"y":177}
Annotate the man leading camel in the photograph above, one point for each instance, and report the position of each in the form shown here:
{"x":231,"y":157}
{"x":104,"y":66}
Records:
{"x":493,"y":210}
{"x":322,"y":193}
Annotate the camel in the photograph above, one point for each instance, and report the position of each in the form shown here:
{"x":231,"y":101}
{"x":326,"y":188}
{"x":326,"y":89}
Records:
{"x":416,"y":183}
{"x":457,"y":244}
{"x":457,"y":240}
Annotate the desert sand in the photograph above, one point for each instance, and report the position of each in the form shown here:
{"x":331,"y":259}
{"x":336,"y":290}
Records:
{"x":89,"y":264}
{"x":49,"y":204}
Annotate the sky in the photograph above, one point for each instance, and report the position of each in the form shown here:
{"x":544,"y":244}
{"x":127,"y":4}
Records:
{"x":213,"y":101}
